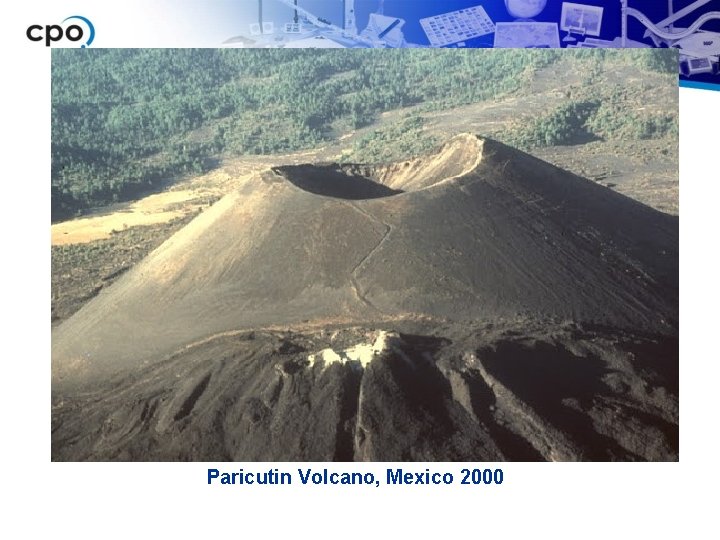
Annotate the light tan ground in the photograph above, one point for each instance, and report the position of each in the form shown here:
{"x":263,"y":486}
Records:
{"x":640,"y":171}
{"x":157,"y":208}
{"x":185,"y":197}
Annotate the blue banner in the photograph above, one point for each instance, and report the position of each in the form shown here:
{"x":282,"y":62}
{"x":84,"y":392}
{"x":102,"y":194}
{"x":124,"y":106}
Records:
{"x":691,"y":26}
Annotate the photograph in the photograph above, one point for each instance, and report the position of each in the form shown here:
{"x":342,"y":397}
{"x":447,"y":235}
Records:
{"x":419,"y":255}
{"x":580,"y":17}
{"x":521,"y":35}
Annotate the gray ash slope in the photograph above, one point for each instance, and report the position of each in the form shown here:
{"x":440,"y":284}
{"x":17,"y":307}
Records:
{"x":532,"y":314}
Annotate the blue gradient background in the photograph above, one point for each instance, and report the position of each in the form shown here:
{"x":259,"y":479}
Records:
{"x":245,"y":12}
{"x":217,"y":20}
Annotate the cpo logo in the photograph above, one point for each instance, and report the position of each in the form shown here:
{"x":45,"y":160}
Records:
{"x":79,"y":30}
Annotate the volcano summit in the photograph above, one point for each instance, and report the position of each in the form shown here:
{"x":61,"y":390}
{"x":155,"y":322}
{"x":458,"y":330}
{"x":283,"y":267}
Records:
{"x":473,"y":304}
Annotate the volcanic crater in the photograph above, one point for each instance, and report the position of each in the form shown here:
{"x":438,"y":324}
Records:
{"x":473,"y":304}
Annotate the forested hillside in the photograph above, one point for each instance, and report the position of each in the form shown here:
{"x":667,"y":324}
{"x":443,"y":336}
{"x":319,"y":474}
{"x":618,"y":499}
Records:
{"x":125,"y":121}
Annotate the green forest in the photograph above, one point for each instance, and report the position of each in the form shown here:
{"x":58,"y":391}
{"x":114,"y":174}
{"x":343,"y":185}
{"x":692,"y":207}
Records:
{"x":125,"y":122}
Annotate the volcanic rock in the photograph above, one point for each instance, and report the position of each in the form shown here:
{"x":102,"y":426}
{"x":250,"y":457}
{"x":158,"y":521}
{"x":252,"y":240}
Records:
{"x":477,"y":303}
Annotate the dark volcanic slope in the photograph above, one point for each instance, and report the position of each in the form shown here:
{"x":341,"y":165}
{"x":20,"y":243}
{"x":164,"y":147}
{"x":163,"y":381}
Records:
{"x":434,"y":393}
{"x":477,"y":232}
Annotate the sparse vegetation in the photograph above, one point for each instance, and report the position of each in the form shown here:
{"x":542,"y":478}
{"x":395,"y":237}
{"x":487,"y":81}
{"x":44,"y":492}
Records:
{"x":128,"y":121}
{"x":600,"y":109}
{"x":567,"y":124}
{"x":80,"y":271}
{"x":135,"y":120}
{"x":399,"y":141}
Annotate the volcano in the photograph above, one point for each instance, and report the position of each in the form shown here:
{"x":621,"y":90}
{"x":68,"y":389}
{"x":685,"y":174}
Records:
{"x":477,"y":303}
